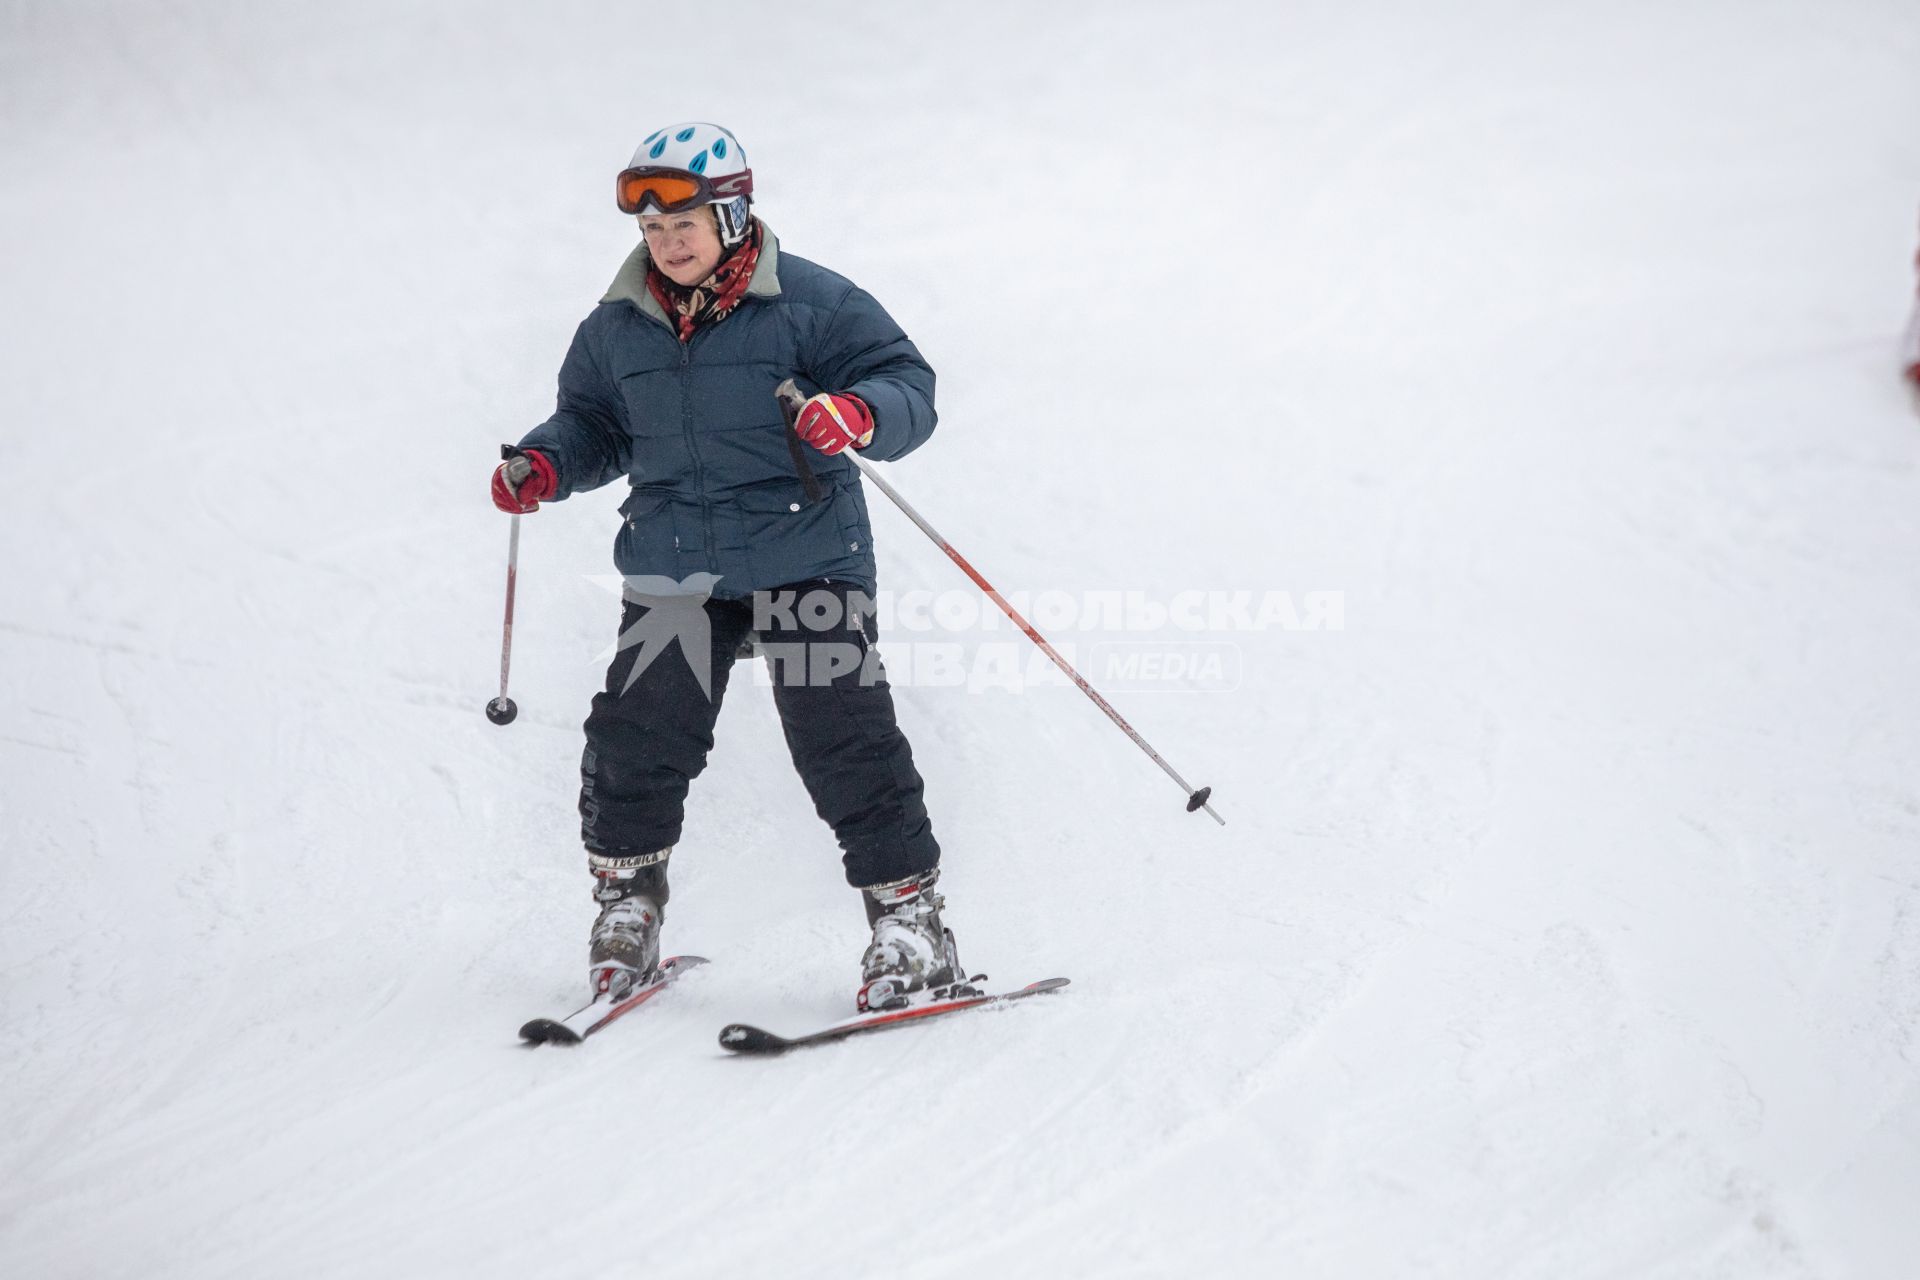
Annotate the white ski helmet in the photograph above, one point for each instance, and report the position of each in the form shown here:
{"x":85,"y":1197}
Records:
{"x":684,"y":166}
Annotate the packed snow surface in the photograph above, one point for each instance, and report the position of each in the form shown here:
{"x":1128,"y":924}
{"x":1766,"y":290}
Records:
{"x":1567,"y":918}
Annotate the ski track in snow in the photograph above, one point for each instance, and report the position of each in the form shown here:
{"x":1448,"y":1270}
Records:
{"x":1567,"y":921}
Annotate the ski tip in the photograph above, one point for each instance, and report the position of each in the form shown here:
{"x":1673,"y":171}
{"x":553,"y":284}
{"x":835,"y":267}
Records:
{"x":744,"y":1039}
{"x":547,"y":1031}
{"x":1048,"y":984}
{"x":682,"y":962}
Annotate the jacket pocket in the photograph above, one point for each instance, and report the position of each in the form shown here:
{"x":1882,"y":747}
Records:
{"x":649,"y":537}
{"x":789,"y":539}
{"x":850,"y":507}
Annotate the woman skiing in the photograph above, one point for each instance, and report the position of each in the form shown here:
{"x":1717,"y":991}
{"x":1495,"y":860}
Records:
{"x":737,"y":527}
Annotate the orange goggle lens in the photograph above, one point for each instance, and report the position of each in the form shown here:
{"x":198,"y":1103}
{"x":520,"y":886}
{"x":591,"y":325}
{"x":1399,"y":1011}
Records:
{"x":667,"y":192}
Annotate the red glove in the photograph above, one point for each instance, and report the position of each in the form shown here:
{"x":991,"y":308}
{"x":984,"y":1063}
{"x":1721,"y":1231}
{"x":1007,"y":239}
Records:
{"x":523,"y":482}
{"x":831,"y":421}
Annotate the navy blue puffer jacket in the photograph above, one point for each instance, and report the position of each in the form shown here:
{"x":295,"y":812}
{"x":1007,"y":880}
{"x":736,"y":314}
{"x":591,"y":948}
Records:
{"x":695,"y":428}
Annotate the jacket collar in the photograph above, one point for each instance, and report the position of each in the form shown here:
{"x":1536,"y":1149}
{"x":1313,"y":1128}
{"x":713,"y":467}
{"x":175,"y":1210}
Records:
{"x":630,"y":285}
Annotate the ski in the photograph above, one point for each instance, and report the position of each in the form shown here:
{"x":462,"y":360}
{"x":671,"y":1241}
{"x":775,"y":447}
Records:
{"x":599,"y":1011}
{"x":741,"y":1038}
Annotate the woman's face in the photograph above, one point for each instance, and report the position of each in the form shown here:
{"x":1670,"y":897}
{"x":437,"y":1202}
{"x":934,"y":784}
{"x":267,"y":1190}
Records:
{"x":685,"y":246}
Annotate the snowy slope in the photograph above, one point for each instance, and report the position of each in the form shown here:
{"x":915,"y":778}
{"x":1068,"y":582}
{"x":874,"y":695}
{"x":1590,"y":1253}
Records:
{"x":1568,"y":919}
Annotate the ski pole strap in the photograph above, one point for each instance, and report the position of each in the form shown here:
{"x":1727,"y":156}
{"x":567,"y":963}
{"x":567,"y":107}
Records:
{"x":791,"y":411}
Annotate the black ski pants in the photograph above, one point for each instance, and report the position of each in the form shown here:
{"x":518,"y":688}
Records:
{"x":650,"y":730}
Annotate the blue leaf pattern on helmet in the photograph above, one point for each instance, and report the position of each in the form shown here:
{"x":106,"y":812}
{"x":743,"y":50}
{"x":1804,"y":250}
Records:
{"x":655,"y":150}
{"x":699,"y":163}
{"x":683,"y":135}
{"x":654,"y":137}
{"x":720,"y":149}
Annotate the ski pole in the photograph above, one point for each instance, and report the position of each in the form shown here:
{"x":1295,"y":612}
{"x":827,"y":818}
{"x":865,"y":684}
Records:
{"x":501,"y":710}
{"x":791,"y":399}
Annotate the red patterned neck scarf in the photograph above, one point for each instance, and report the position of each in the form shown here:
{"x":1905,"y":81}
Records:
{"x":709,"y":301}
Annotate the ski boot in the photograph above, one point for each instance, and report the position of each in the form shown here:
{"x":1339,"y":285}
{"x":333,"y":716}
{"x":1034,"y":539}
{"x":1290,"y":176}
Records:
{"x":624,"y":948}
{"x":911,"y":950}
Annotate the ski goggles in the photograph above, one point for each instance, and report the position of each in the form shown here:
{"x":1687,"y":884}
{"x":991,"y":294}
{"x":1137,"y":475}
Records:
{"x":671,"y":190}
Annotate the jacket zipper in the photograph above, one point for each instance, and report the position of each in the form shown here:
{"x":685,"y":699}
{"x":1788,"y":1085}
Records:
{"x":693,"y":447}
